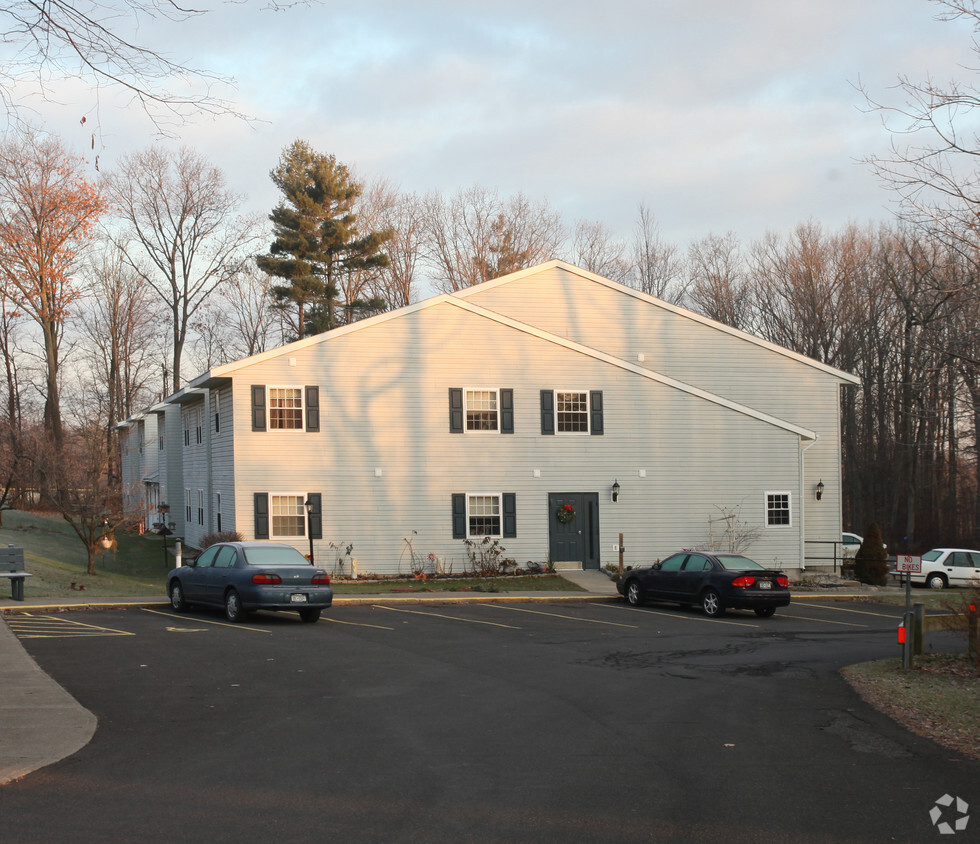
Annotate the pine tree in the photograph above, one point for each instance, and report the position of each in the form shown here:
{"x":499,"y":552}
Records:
{"x":316,"y":236}
{"x":871,"y":562}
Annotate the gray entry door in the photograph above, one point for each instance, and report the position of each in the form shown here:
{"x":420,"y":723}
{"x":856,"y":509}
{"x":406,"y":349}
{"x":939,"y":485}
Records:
{"x":576,"y":540}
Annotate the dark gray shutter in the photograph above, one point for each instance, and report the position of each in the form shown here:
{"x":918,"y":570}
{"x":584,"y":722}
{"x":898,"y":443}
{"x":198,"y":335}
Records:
{"x":459,"y":515}
{"x":261,"y":515}
{"x":595,"y":408}
{"x":547,"y":411}
{"x":506,"y":411}
{"x":455,"y":410}
{"x":510,"y":514}
{"x":312,"y":408}
{"x":258,"y":407}
{"x":316,"y":516}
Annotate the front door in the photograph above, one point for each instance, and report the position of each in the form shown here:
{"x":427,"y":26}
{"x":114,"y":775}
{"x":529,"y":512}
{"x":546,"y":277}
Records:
{"x":573,"y":528}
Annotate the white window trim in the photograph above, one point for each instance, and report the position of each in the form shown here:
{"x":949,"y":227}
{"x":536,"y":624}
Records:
{"x":200,"y":507}
{"x":500,"y":514}
{"x":302,"y":409}
{"x":765,"y":504}
{"x":305,"y":520}
{"x":588,"y":413}
{"x":476,"y":431}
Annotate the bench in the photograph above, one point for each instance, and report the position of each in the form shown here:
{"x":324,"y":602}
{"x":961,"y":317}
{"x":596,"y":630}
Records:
{"x":12,"y":567}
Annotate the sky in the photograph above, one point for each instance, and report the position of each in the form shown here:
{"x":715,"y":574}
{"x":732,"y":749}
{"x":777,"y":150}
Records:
{"x":719,"y":117}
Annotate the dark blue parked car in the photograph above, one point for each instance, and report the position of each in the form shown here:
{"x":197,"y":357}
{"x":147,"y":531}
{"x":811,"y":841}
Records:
{"x":714,"y":581}
{"x":245,"y":576}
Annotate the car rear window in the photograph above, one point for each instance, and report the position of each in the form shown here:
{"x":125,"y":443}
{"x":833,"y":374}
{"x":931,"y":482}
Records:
{"x":734,"y":562}
{"x":275,"y":556}
{"x":932,"y":556}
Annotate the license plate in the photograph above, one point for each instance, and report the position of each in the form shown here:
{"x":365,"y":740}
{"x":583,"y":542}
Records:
{"x":765,"y":584}
{"x":297,"y":598}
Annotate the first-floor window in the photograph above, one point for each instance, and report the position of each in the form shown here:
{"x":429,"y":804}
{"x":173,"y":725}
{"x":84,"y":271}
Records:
{"x":483,"y":515}
{"x":288,"y":515}
{"x":217,"y":510}
{"x":200,"y":506}
{"x":777,"y":509}
{"x":187,"y":505}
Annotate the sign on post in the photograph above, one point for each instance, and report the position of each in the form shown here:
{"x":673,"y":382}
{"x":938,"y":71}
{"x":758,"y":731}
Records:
{"x":908,"y":564}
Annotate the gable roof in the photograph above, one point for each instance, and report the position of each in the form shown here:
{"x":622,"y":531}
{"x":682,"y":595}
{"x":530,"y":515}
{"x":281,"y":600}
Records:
{"x":220,"y":373}
{"x":659,"y":303}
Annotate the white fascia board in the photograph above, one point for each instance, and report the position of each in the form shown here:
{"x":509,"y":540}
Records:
{"x":659,"y":303}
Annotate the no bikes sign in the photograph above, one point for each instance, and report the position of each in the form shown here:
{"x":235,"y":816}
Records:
{"x":908,"y":564}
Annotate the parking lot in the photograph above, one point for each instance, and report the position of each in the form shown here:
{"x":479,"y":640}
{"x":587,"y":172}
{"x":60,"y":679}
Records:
{"x":481,"y":721}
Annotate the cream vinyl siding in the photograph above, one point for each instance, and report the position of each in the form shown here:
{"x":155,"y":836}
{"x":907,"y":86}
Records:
{"x":681,"y":345}
{"x":382,"y":408}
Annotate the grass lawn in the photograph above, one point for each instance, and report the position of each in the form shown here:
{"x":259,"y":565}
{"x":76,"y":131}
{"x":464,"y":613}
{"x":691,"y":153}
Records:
{"x":57,"y":559}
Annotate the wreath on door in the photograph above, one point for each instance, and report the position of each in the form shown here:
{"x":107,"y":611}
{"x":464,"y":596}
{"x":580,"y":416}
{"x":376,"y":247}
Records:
{"x":565,"y":513}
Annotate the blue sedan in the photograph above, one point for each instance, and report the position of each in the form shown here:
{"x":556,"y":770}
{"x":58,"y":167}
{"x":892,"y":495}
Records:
{"x":245,"y":576}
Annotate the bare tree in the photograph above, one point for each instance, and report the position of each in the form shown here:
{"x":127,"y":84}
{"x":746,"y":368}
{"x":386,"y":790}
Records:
{"x":934,"y":152}
{"x":594,"y":249}
{"x":658,"y":266}
{"x":475,"y":236}
{"x":89,"y":40}
{"x":384,"y":208}
{"x":47,"y":213}
{"x":718,"y":281}
{"x":183,"y":233}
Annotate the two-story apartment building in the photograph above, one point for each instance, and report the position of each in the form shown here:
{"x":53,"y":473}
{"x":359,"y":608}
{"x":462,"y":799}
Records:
{"x":551,"y":409}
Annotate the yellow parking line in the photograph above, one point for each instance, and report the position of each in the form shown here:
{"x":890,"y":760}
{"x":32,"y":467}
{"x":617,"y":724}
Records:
{"x":558,"y":615}
{"x":676,"y":615}
{"x":844,"y":609}
{"x":54,"y":627}
{"x":333,"y":620}
{"x":450,"y":617}
{"x":208,"y":621}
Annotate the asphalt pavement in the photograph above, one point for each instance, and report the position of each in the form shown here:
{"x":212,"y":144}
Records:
{"x":43,"y":724}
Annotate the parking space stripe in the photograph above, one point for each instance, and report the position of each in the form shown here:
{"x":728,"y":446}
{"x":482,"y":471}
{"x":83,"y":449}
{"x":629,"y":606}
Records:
{"x":826,"y":620}
{"x":677,"y":615}
{"x":558,"y":615}
{"x":208,"y":621}
{"x":440,"y":615}
{"x":333,"y":620}
{"x":845,"y":609}
{"x":55,"y":627}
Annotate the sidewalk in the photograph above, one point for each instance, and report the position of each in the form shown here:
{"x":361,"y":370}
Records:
{"x":43,"y":724}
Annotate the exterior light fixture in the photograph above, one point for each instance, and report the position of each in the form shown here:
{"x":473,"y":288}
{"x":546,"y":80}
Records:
{"x":819,"y":490}
{"x":309,"y":525}
{"x":615,"y":491}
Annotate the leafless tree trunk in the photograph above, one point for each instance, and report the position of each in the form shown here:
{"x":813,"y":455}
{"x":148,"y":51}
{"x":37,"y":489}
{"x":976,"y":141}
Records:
{"x":717,"y":287}
{"x":658,"y":266}
{"x":185,"y":235}
{"x":594,"y":249}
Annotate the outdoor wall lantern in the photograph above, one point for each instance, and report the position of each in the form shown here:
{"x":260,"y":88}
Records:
{"x":819,"y":490}
{"x":309,"y":525}
{"x":615,"y":491}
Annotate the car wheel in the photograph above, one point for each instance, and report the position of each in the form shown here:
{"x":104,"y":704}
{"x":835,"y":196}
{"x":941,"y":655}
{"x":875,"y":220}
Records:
{"x":765,"y":612}
{"x":634,"y":596}
{"x":234,"y":611}
{"x":177,"y":601}
{"x":310,"y":615}
{"x":936,"y":581}
{"x":711,"y":604}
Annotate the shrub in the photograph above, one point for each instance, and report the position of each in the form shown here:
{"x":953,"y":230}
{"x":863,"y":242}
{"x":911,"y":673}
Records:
{"x":871,"y":562}
{"x":210,"y":539}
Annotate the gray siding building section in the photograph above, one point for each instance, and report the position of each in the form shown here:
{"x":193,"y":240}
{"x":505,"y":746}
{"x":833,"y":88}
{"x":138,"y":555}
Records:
{"x":487,"y":411}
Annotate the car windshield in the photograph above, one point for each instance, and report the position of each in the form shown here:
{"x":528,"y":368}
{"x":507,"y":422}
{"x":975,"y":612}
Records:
{"x":932,"y":556}
{"x":275,"y":555}
{"x":735,"y":562}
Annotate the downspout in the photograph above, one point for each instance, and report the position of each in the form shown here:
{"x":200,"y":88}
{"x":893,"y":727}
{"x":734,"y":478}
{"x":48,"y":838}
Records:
{"x":803,"y":452}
